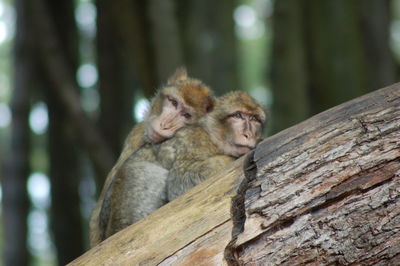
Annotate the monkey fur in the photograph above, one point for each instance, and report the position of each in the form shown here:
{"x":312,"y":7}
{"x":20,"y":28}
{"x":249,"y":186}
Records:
{"x":160,"y":173}
{"x":187,"y":99}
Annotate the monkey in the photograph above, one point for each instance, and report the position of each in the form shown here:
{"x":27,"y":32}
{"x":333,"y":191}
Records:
{"x":183,"y":101}
{"x":232,"y":129}
{"x":161,"y":173}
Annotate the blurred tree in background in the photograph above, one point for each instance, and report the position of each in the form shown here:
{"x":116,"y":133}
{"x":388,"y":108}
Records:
{"x":327,"y":52}
{"x":84,"y":70}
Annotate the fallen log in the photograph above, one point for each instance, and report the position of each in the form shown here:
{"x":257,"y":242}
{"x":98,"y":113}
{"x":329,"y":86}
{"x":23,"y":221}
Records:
{"x":325,"y":191}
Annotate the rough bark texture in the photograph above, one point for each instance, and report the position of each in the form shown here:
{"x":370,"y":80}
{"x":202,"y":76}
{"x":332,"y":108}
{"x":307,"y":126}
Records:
{"x":322,"y":192}
{"x":326,"y":191}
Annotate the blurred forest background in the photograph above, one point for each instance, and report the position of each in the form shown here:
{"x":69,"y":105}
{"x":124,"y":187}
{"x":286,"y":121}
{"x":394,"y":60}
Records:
{"x":75,"y":76}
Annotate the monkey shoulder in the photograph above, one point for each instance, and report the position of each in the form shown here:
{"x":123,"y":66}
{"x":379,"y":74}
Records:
{"x":195,"y":142}
{"x":189,"y":143}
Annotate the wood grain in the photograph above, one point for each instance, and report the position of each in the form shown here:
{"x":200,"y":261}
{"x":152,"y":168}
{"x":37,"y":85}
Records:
{"x":189,"y":220}
{"x":325,"y":189}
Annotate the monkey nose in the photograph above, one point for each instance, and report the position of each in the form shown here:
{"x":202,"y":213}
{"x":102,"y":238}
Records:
{"x":247,"y":134}
{"x":165,"y":126}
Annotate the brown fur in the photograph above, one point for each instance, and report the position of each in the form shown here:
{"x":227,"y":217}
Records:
{"x":160,"y":173}
{"x":203,"y":150}
{"x":179,"y":84}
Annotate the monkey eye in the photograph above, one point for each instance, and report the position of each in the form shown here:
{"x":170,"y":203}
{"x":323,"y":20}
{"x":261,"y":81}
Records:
{"x":237,"y":115}
{"x":173,"y":101}
{"x":187,"y":115}
{"x":255,"y":118}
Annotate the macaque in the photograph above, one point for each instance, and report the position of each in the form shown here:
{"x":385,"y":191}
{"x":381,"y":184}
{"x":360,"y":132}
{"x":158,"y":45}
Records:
{"x":183,"y":101}
{"x":160,"y":173}
{"x":232,"y":129}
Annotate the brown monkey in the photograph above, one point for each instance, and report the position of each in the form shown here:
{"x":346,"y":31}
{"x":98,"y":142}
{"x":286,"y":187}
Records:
{"x":232,"y":129}
{"x":181,"y":102}
{"x":158,"y":174}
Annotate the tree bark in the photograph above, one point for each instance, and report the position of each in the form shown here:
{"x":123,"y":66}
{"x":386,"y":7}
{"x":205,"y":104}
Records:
{"x":325,"y":191}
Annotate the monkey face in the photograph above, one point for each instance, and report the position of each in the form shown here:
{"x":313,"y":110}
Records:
{"x":246,"y":129}
{"x":235,"y":125}
{"x":182,"y":102}
{"x":175,"y":114}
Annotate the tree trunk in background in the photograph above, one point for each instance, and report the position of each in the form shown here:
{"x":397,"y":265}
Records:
{"x":66,"y":220}
{"x":15,"y":197}
{"x":115,"y":87}
{"x":344,"y":51}
{"x":148,"y":34}
{"x":132,"y":24}
{"x":209,"y":42}
{"x":375,"y":25}
{"x":166,"y":42}
{"x":289,"y":66}
{"x":337,"y":62}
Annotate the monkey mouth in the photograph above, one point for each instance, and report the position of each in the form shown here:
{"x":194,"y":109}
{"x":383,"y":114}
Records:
{"x":244,"y":146}
{"x":156,"y":137}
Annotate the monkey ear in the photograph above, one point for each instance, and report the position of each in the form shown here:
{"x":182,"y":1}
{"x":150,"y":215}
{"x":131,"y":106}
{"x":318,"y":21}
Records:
{"x":210,"y":105}
{"x":180,"y":74}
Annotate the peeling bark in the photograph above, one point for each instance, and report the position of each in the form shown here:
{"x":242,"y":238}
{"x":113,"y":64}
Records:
{"x":322,"y":192}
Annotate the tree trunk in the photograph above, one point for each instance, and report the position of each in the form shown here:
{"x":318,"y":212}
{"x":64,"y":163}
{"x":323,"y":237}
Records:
{"x":209,"y":42}
{"x":325,"y":53}
{"x":66,"y":221}
{"x":166,"y":42}
{"x":115,"y":88}
{"x":375,"y":25}
{"x":56,"y":66}
{"x":325,"y":191}
{"x":337,"y":63}
{"x":132,"y":23}
{"x":15,"y":201}
{"x":289,"y":60}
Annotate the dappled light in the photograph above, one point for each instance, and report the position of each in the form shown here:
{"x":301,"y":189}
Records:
{"x":5,"y":115}
{"x":38,"y":118}
{"x":87,"y":75}
{"x":140,"y":109}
